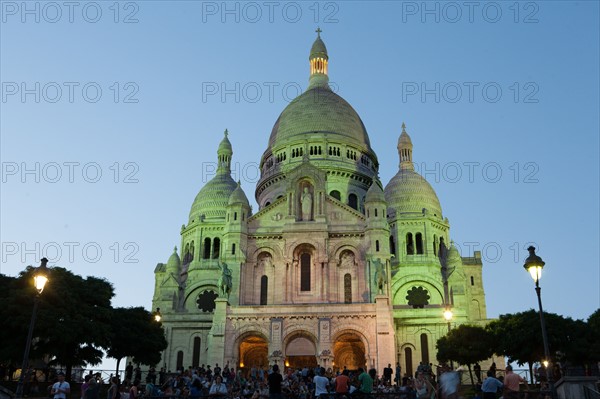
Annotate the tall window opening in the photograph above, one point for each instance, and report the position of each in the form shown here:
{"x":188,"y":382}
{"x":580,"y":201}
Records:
{"x":179,"y":364}
{"x":424,"y":349}
{"x":419,"y":239}
{"x":392,"y":246}
{"x":408,"y":361}
{"x":216,"y":248}
{"x":353,"y":201}
{"x":196,"y":352}
{"x":410,"y":246}
{"x":233,"y":249}
{"x":206,"y":252}
{"x":376,"y":245}
{"x":347,"y":288}
{"x":336,"y":194}
{"x":305,"y":272}
{"x":264,"y":286}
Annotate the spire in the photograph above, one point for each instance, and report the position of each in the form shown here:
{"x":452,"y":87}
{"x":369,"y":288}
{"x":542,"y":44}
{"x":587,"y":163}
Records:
{"x":224,"y":153}
{"x":318,"y":63}
{"x":405,"y":150}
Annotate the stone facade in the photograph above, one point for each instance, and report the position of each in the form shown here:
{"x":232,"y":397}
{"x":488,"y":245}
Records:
{"x":332,"y":269}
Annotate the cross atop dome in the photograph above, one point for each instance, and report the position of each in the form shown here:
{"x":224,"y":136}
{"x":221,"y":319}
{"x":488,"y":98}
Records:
{"x":318,"y":62}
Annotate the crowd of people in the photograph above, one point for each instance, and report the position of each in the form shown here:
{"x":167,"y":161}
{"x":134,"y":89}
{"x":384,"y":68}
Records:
{"x":290,"y":383}
{"x":262,"y":383}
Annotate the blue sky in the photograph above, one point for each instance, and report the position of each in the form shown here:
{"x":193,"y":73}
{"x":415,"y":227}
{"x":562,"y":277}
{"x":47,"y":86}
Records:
{"x":116,"y":109}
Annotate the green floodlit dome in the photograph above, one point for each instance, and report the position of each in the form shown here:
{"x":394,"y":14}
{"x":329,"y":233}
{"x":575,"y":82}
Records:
{"x":174,"y":262}
{"x":211,"y":201}
{"x":319,"y":111}
{"x":238,"y":196}
{"x":213,"y":198}
{"x":375,"y":192}
{"x":408,"y":192}
{"x":454,"y":256}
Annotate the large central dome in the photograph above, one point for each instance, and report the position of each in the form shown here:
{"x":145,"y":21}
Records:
{"x":322,"y":128}
{"x":316,"y":111}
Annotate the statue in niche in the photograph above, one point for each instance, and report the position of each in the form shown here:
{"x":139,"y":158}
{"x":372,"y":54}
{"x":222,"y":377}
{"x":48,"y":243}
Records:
{"x":306,"y":201}
{"x":347,"y":259}
{"x":266,"y":260}
{"x":225,"y":282}
{"x":380,"y":275}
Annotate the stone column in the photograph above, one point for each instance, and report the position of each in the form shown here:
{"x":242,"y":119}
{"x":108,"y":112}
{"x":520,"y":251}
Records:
{"x":216,"y":337}
{"x":386,"y":350}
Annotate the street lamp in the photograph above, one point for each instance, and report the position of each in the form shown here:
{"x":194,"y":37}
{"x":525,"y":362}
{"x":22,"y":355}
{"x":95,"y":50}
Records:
{"x":40,"y":278}
{"x":534,"y":265}
{"x":157,"y":315}
{"x":448,"y":316}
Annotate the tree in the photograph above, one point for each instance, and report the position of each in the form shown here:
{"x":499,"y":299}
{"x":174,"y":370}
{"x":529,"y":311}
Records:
{"x":465,"y":345}
{"x":518,"y":336}
{"x":72,"y":322}
{"x":593,"y":331}
{"x":135,"y":333}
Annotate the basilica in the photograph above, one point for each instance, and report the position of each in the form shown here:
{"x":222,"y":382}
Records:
{"x":333,"y":268}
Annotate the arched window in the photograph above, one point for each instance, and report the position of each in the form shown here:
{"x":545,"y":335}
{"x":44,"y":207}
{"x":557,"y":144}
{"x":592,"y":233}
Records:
{"x":234,"y":215}
{"x":264,"y":286}
{"x":206,"y":252}
{"x":419,"y":239}
{"x":424,"y":349}
{"x":192,"y":251}
{"x":347,"y":288}
{"x":442,"y":246}
{"x":435,"y":245}
{"x":392,"y":246}
{"x":179,"y":364}
{"x":305,"y":272}
{"x":353,"y":201}
{"x":410,"y":246}
{"x":268,"y":203}
{"x":233,"y":249}
{"x":375,"y":212}
{"x":472,"y":281}
{"x":196,"y":353}
{"x":376,"y":245}
{"x":336,"y":194}
{"x":186,"y":254}
{"x":216,"y":248}
{"x":408,"y":366}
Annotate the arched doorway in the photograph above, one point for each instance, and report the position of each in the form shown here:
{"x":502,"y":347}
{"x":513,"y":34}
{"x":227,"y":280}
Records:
{"x":253,"y":352}
{"x":300,"y":351}
{"x":349,"y":351}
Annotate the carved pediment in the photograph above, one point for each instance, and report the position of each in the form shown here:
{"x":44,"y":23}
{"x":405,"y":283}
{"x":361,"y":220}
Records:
{"x":340,"y":213}
{"x":303,"y":171}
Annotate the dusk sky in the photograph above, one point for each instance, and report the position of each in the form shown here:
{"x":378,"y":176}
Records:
{"x":112,"y":112}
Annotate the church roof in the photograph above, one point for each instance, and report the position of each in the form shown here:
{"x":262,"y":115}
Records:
{"x":319,"y":111}
{"x":409,"y":192}
{"x":375,"y":192}
{"x":174,"y":262}
{"x":238,"y":196}
{"x":212,"y":199}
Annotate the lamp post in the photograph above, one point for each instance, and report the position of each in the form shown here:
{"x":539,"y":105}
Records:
{"x":534,"y":265}
{"x":448,"y":316}
{"x":157,"y":315}
{"x":40,"y":278}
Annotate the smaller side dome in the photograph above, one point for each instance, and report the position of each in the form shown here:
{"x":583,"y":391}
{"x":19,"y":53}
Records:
{"x":174,"y":263}
{"x":454,"y":258}
{"x":375,"y":192}
{"x":238,"y":196}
